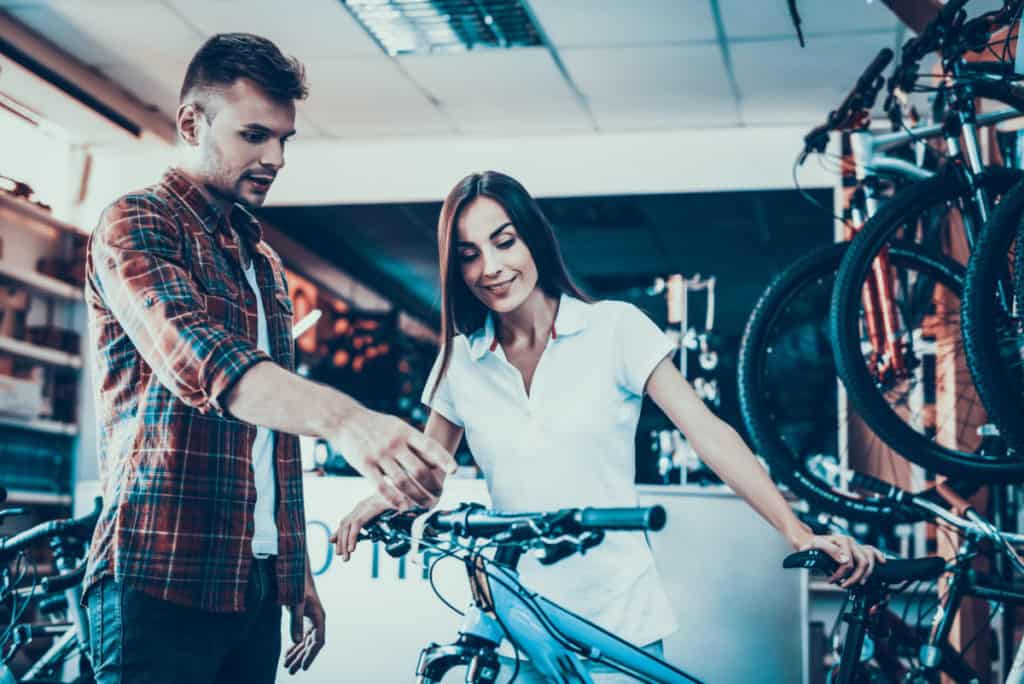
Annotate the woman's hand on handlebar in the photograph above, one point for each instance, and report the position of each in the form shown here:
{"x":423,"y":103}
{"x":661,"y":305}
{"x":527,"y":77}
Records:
{"x":856,"y":561}
{"x":345,"y":537}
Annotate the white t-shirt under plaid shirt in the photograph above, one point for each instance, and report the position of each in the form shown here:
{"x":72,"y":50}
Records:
{"x":569,"y":443}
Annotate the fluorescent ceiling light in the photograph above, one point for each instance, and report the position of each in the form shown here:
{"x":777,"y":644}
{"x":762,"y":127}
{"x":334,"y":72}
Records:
{"x":405,"y":27}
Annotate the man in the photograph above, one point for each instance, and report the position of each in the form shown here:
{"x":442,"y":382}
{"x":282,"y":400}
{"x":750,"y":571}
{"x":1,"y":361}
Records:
{"x":201,"y":540}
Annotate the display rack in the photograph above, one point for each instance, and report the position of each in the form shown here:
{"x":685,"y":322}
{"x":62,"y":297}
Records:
{"x":36,"y":452}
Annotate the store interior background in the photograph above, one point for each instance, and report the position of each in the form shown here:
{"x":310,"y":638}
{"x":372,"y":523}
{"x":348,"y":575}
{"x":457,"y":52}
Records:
{"x":659,"y":135}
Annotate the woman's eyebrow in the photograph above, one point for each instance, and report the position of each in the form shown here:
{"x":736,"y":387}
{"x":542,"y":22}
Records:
{"x":494,"y":234}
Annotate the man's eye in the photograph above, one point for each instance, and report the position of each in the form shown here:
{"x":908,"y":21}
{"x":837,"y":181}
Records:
{"x":254,"y":137}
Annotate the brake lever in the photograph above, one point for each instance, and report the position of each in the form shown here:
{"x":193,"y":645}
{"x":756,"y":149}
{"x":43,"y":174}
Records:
{"x":555,"y":550}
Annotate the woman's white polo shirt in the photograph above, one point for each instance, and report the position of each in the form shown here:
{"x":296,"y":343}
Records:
{"x":570,"y":443}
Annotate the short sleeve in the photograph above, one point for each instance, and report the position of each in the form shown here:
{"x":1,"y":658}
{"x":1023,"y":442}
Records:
{"x":641,"y":347}
{"x":442,"y":400}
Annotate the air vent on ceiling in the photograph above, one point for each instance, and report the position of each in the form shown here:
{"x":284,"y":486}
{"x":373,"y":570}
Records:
{"x":405,"y":27}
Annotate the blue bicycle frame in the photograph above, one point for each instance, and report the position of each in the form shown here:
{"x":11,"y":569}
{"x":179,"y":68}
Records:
{"x":552,"y":637}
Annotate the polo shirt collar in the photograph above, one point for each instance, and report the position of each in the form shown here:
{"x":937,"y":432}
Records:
{"x":570,"y":319}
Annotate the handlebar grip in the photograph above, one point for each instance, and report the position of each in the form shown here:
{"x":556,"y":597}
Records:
{"x":69,"y":527}
{"x":875,"y":69}
{"x":815,"y":560}
{"x":61,"y":582}
{"x":651,"y":518}
{"x":873,"y":484}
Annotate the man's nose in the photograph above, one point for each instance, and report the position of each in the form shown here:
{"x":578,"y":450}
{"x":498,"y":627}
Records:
{"x":273,"y":156}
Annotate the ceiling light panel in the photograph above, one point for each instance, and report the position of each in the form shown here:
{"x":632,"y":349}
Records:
{"x":406,"y":27}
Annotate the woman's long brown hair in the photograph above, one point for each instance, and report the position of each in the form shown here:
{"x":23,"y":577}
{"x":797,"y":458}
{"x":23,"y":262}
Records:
{"x":461,"y":311}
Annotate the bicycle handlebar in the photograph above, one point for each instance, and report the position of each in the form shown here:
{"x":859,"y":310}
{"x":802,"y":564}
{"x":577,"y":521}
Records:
{"x":859,"y":100}
{"x":72,"y":527}
{"x":474,"y":521}
{"x":55,"y":583}
{"x":963,"y":517}
{"x":967,"y":36}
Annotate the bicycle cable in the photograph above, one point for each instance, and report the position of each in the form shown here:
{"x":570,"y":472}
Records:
{"x":810,"y":199}
{"x":517,"y":590}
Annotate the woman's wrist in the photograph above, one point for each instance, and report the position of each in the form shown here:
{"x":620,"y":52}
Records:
{"x":798,"y":535}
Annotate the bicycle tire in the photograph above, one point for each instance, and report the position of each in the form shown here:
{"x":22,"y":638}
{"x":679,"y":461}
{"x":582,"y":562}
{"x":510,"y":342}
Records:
{"x":760,"y":409}
{"x":862,"y":388}
{"x":988,"y":326}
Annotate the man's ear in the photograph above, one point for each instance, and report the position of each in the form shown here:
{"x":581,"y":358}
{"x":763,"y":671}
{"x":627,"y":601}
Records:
{"x":190,"y":117}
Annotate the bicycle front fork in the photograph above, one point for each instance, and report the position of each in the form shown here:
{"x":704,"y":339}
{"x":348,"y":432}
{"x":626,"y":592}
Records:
{"x":477,"y":655}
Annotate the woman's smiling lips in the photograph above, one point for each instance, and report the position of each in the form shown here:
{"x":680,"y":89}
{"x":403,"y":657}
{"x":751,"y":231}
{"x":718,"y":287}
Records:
{"x":501,"y":288}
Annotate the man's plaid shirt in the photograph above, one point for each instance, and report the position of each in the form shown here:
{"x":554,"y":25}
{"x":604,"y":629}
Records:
{"x":174,"y":325}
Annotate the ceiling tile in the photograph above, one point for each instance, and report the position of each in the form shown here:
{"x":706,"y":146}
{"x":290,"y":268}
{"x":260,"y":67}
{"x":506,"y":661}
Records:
{"x":652,"y":70}
{"x":155,"y":82}
{"x":519,"y":116}
{"x":341,"y":79}
{"x":348,"y":97}
{"x":133,"y":32}
{"x":59,"y":30}
{"x":817,"y":17}
{"x":674,"y":110}
{"x":499,"y":74}
{"x":322,"y":28}
{"x":781,"y":83}
{"x":602,"y":23}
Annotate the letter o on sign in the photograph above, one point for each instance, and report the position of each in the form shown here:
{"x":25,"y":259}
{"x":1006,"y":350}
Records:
{"x":313,"y":542}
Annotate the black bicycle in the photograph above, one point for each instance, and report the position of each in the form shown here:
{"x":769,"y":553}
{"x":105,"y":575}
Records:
{"x":57,"y":597}
{"x":887,"y":366}
{"x":866,"y":612}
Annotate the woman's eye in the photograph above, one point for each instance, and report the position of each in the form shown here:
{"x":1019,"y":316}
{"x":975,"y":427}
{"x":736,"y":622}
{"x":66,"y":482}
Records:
{"x":506,"y":244}
{"x":466,"y":257}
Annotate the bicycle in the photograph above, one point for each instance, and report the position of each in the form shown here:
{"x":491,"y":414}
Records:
{"x":555,"y":639}
{"x":880,"y":347}
{"x":60,"y":593}
{"x":803,"y":438}
{"x":993,"y":317}
{"x":868,"y":615}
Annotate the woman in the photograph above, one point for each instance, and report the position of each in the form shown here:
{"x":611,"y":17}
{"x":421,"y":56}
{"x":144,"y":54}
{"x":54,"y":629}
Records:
{"x":547,"y":387}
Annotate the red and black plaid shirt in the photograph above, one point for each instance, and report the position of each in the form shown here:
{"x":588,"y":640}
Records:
{"x":174,"y":325}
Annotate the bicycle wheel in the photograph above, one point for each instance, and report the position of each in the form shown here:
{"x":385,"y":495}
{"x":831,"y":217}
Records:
{"x":788,"y":390}
{"x":993,"y":318}
{"x":889,"y":393}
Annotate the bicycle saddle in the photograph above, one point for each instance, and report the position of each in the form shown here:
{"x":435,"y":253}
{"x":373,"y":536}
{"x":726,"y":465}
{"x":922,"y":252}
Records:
{"x":890,"y":572}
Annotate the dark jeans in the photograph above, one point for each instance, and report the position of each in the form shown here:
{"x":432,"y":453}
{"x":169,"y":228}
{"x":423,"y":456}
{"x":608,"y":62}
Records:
{"x":136,"y":638}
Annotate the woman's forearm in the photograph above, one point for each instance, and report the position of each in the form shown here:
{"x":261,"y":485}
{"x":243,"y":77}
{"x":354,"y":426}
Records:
{"x":725,"y":452}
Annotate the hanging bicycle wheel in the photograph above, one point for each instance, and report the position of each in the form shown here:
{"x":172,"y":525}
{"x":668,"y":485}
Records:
{"x":789,"y":393}
{"x":993,"y":318}
{"x":908,"y":377}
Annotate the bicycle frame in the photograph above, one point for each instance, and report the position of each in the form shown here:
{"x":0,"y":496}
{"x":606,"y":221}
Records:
{"x":869,"y":161}
{"x":75,"y":637}
{"x":547,"y":633}
{"x":939,"y":654}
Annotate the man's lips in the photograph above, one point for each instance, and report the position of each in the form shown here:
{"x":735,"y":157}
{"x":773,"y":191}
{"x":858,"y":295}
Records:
{"x":263,"y":182}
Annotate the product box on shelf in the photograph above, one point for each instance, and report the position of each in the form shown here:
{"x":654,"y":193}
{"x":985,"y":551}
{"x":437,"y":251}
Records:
{"x":20,"y":397}
{"x":13,"y":310}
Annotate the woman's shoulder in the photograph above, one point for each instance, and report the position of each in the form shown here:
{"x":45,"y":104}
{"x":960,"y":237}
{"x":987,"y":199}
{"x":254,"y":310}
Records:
{"x":612,"y":310}
{"x":460,"y":345}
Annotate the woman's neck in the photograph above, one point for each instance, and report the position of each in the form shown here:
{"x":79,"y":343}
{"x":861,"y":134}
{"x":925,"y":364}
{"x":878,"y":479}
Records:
{"x":530,"y":323}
